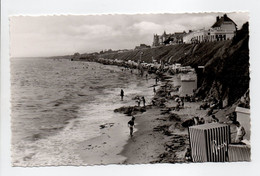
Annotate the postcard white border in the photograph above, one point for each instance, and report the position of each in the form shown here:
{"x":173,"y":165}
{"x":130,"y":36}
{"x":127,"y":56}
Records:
{"x":47,"y":7}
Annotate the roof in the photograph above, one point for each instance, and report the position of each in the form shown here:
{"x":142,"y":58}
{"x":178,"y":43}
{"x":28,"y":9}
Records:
{"x":243,"y":110}
{"x":221,"y":20}
{"x":209,"y":126}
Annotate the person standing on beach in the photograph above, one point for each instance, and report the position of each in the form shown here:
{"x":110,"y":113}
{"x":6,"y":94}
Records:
{"x":182,"y":103}
{"x":131,"y":124}
{"x":122,"y":94}
{"x":138,"y":101}
{"x":143,"y":101}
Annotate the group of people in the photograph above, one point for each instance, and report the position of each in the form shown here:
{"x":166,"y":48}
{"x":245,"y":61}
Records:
{"x":138,"y":98}
{"x":139,"y":101}
{"x":240,"y":130}
{"x":131,"y":122}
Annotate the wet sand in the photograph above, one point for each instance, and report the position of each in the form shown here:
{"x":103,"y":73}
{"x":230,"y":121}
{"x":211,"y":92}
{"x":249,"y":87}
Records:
{"x":105,"y":149}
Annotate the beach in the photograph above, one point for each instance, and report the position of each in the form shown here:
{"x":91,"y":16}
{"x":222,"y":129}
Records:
{"x":158,"y":135}
{"x":88,"y":124}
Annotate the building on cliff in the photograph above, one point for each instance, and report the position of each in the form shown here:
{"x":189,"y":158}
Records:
{"x":142,"y":46}
{"x":164,"y":39}
{"x":223,"y":29}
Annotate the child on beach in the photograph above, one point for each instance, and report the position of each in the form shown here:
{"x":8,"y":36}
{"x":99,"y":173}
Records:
{"x":131,"y":124}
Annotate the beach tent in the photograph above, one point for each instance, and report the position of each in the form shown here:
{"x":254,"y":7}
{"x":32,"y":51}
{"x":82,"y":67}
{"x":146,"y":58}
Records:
{"x":238,"y":152}
{"x":209,"y":142}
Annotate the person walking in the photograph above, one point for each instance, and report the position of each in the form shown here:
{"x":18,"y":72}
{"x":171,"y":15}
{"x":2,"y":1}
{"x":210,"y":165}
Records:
{"x":122,"y":94}
{"x":131,"y":124}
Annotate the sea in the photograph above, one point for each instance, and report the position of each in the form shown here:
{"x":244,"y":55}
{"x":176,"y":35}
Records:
{"x":58,"y":103}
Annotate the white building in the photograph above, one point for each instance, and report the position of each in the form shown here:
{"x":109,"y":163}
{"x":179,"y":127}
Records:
{"x":223,"y":29}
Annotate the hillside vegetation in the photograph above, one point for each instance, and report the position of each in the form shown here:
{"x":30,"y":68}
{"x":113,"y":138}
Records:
{"x":226,"y":71}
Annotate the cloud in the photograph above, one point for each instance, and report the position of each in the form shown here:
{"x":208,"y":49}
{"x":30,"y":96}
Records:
{"x":60,"y":35}
{"x":145,"y":27}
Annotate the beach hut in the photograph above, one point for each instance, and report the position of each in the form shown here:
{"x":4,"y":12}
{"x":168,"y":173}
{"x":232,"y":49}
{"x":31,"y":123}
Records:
{"x":209,"y":142}
{"x":188,"y":84}
{"x":238,"y":152}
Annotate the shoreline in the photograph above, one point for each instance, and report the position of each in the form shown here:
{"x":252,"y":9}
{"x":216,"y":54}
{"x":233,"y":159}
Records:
{"x":157,"y":137}
{"x":106,"y":148}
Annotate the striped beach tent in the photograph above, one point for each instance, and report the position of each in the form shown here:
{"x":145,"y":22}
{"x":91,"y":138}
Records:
{"x":238,"y":152}
{"x":209,"y":142}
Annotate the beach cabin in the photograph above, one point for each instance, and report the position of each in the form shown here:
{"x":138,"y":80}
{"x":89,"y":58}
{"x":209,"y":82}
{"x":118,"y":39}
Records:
{"x":200,"y":74}
{"x":238,"y":152}
{"x":188,"y":84}
{"x":209,"y":142}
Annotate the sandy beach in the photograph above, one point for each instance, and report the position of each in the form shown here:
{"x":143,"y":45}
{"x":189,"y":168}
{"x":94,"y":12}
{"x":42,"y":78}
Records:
{"x":105,"y":149}
{"x":158,"y":135}
{"x":159,"y":138}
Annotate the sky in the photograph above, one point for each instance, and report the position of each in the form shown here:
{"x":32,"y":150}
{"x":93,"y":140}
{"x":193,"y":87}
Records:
{"x":43,"y":36}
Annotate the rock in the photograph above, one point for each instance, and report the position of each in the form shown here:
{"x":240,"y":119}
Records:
{"x":174,"y":117}
{"x":131,"y":110}
{"x":102,"y":126}
{"x":188,"y":123}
